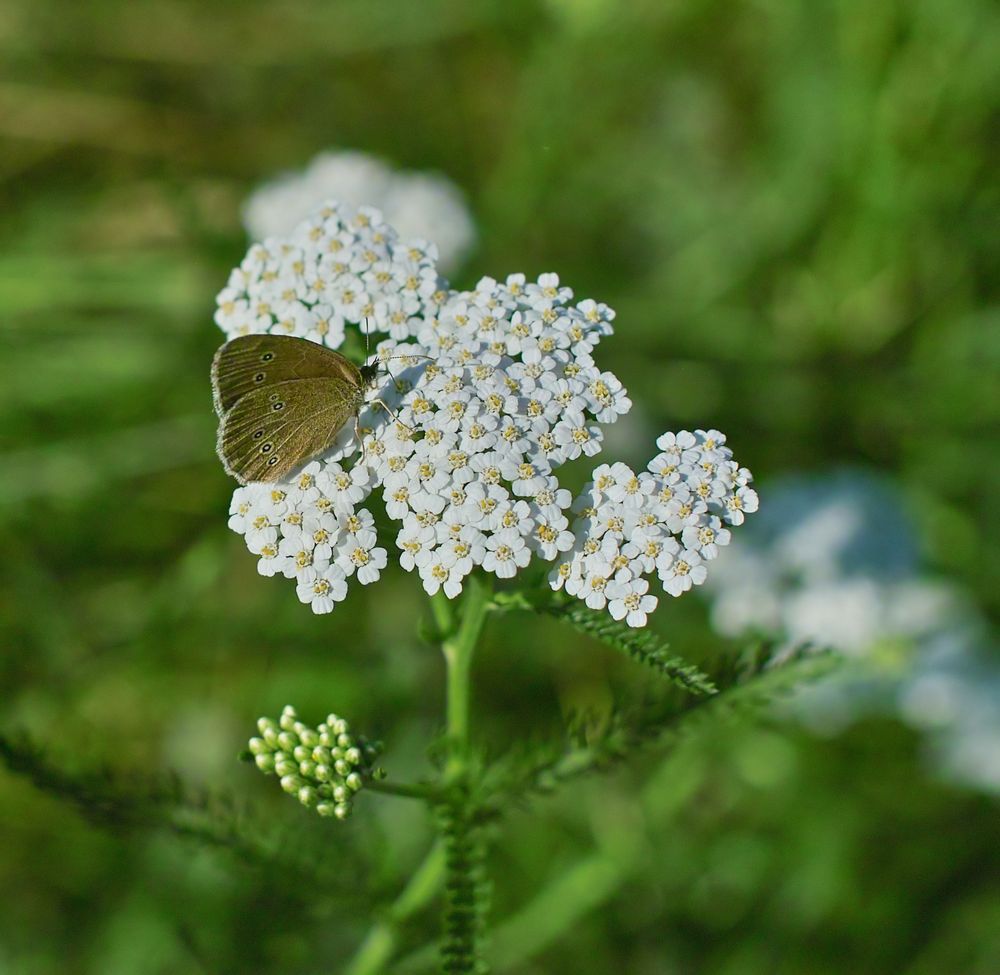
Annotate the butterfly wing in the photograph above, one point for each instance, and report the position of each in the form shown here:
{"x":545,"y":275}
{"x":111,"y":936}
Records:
{"x":252,"y":362}
{"x":270,"y":432}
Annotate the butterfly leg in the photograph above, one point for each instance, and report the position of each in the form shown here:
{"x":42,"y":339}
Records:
{"x":385,"y":406}
{"x":360,"y":438}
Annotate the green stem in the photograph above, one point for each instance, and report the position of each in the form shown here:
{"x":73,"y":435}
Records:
{"x":582,"y":888}
{"x":444,"y":618}
{"x":458,"y":646}
{"x":428,"y":793}
{"x":458,"y":649}
{"x":380,"y":942}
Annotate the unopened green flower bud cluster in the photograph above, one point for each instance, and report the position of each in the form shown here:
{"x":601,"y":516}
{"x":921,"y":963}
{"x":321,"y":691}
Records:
{"x":322,"y":767}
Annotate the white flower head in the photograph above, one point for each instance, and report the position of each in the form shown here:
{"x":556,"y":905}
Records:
{"x":491,"y":391}
{"x":630,"y":600}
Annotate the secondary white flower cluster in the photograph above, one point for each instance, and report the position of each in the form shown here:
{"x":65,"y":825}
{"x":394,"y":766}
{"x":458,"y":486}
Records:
{"x":668,"y":519}
{"x":322,"y":767}
{"x":494,"y":389}
{"x":421,"y":206}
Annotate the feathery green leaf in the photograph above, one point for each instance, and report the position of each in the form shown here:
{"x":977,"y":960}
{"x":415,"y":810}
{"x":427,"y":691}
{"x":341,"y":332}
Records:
{"x":640,"y":645}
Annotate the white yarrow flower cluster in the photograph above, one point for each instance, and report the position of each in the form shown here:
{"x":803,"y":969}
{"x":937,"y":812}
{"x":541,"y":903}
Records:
{"x":492,"y":391}
{"x":669,"y":520}
{"x":420,"y":206}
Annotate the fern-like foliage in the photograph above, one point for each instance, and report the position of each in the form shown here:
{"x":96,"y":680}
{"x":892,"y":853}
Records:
{"x":466,"y":889}
{"x":752,"y":681}
{"x":119,"y":802}
{"x":640,"y":645}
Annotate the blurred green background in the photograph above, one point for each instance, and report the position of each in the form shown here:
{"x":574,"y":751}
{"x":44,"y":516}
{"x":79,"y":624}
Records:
{"x":788,"y":204}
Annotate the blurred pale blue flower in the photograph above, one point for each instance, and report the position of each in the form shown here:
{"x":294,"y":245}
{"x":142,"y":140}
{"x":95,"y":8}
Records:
{"x":833,"y":559}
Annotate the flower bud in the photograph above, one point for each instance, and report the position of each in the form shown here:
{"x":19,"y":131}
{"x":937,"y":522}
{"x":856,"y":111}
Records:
{"x":258,"y":746}
{"x":323,"y":768}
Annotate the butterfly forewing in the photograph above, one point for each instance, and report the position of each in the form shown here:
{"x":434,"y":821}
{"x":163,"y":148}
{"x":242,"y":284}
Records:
{"x":253,"y":362}
{"x":270,"y":432}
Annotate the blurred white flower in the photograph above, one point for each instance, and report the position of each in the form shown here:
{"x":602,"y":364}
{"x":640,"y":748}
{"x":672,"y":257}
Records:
{"x":496,"y":388}
{"x":420,"y":206}
{"x":953,"y":693}
{"x":833,"y":560}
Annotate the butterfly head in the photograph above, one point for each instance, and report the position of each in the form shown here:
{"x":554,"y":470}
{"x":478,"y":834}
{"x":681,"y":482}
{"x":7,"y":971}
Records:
{"x":370,"y":373}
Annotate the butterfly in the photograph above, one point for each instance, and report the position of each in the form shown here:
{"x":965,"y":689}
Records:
{"x":283,"y":400}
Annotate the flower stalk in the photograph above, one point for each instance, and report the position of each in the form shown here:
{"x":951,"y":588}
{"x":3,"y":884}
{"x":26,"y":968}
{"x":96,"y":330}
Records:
{"x":380,"y":942}
{"x":458,"y":649}
{"x":465,"y":887}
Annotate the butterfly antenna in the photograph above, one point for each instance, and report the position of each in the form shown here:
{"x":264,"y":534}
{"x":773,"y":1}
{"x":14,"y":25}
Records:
{"x":409,"y":355}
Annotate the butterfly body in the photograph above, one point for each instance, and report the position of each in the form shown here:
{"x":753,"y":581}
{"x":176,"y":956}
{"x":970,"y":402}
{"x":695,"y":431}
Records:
{"x":281,"y":401}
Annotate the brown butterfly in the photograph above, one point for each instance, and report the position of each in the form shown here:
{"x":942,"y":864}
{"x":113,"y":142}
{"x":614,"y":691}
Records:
{"x":281,"y":401}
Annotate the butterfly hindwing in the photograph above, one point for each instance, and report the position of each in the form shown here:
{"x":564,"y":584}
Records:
{"x":252,"y":362}
{"x":270,"y":432}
